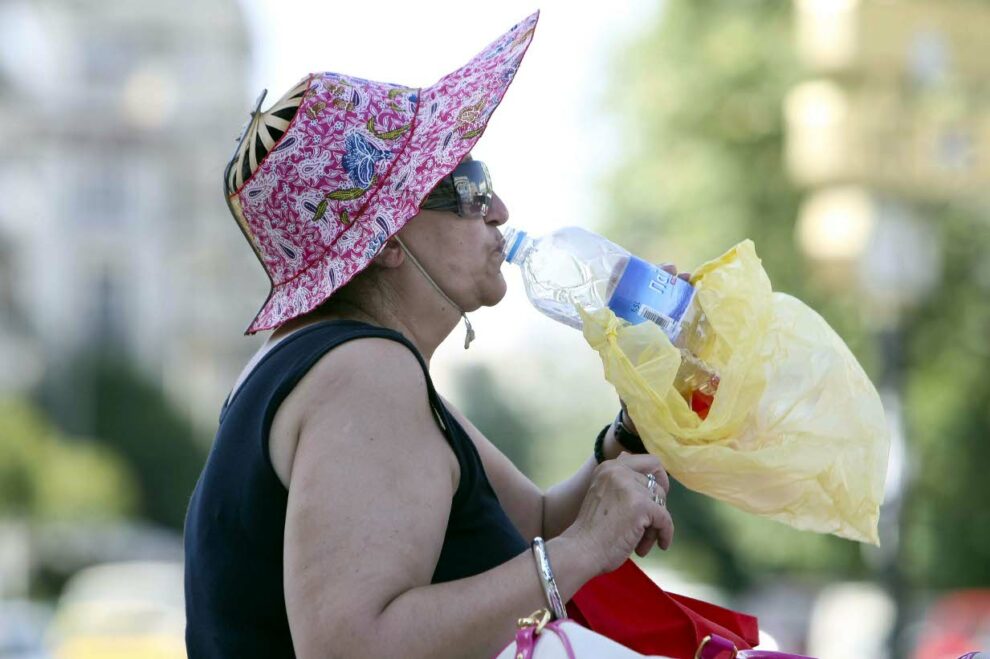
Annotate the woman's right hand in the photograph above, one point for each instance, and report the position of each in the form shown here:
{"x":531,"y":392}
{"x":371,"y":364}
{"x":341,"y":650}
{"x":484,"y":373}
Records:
{"x":618,"y":514}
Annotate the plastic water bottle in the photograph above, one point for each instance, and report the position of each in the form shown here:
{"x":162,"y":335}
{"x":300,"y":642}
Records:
{"x":572,"y":266}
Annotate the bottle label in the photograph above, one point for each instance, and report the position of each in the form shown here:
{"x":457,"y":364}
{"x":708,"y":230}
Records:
{"x":645,"y":292}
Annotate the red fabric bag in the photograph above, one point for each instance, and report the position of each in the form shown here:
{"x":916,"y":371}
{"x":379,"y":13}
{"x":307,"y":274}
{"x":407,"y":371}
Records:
{"x":627,"y":607}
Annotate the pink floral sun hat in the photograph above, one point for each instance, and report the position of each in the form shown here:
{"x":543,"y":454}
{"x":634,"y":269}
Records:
{"x":338,"y":165}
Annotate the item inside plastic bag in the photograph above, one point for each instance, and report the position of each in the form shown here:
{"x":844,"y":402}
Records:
{"x":796,"y":432}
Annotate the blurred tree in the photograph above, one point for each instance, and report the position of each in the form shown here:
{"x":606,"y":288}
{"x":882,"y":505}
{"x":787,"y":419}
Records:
{"x":47,"y":476}
{"x":115,"y":403}
{"x":699,"y":99}
{"x":490,"y":410}
{"x":699,"y":96}
{"x":946,"y":359}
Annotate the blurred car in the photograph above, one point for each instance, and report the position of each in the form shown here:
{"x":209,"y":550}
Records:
{"x":851,"y":619}
{"x":22,"y":630}
{"x":130,"y":610}
{"x":956,"y":624}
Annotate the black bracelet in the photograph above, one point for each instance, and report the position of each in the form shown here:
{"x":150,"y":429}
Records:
{"x":626,"y":438}
{"x":600,"y":445}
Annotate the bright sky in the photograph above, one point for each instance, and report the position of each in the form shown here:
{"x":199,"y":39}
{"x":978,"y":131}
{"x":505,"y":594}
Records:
{"x":546,"y":143}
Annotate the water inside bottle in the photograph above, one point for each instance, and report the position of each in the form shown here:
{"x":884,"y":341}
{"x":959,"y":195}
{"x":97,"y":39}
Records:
{"x":573,"y":267}
{"x":559,"y":280}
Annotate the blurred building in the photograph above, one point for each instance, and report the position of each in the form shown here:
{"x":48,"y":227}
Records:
{"x":116,"y":119}
{"x":892,"y":120}
{"x":897,"y":99}
{"x":894,"y":114}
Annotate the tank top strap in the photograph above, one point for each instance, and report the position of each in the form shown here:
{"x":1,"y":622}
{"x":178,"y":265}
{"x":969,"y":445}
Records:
{"x":298,"y":353}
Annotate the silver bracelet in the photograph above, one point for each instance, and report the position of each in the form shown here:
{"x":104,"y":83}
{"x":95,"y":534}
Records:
{"x":547,"y":580}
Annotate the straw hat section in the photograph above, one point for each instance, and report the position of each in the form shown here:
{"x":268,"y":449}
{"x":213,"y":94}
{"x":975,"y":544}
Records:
{"x":339,"y":164}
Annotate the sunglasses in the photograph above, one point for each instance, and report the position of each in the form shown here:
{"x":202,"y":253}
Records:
{"x":466,"y":191}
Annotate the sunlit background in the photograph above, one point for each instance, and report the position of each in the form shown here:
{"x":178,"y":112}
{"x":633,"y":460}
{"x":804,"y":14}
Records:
{"x":850,"y":140}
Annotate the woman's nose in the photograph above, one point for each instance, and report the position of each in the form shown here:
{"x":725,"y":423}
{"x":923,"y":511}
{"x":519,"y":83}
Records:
{"x":498,"y":214}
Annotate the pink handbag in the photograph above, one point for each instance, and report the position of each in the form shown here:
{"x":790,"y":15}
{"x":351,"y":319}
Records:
{"x":569,"y":640}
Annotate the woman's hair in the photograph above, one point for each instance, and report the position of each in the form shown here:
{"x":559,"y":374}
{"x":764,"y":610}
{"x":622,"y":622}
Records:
{"x":365,"y":289}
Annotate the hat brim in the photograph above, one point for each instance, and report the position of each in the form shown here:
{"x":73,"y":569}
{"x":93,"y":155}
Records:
{"x":451,"y":116}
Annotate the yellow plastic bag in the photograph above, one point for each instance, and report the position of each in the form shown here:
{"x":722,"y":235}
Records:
{"x":796,"y":432}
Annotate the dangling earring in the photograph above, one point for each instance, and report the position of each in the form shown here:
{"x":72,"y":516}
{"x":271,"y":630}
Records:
{"x":469,"y":336}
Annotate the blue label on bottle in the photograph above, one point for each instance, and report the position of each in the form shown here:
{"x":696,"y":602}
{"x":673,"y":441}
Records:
{"x":645,"y":292}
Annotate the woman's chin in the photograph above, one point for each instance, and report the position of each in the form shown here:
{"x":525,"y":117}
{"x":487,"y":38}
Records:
{"x":496,"y":292}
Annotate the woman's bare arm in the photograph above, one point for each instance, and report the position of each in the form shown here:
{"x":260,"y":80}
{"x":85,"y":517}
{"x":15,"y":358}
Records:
{"x":530,"y":509}
{"x":369,"y":499}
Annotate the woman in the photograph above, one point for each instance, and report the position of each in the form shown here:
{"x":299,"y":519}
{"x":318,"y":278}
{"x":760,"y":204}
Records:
{"x":346,"y":509}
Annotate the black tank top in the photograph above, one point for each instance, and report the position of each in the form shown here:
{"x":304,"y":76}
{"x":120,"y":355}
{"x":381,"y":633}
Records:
{"x":236,"y":519}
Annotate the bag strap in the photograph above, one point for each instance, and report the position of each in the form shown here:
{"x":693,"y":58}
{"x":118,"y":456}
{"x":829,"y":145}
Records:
{"x":555,"y":627}
{"x":525,"y":642}
{"x":529,"y":630}
{"x":714,"y":646}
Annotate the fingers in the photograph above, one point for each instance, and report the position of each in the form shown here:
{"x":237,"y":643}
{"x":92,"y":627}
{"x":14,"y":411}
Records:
{"x":644,"y":464}
{"x":661,"y":531}
{"x":661,"y":526}
{"x":663,"y":480}
{"x":672,"y":269}
{"x":646,"y":542}
{"x":665,"y":528}
{"x":622,"y":485}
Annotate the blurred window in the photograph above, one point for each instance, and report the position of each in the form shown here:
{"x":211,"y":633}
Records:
{"x":102,"y":197}
{"x":107,"y":58}
{"x":8,"y":309}
{"x":107,"y":310}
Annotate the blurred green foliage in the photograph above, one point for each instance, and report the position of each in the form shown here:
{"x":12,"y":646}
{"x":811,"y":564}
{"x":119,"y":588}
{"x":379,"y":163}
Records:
{"x":488,"y":408}
{"x":47,"y":476}
{"x":946,"y":356}
{"x":132,"y":416}
{"x":699,"y":99}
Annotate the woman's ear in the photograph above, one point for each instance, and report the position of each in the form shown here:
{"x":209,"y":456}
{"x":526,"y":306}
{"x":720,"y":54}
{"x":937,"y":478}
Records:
{"x":391,"y":255}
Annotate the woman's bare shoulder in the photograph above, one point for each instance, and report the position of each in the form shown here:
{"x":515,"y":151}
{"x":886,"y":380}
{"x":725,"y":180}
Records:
{"x":374,"y":363}
{"x":352,"y":386}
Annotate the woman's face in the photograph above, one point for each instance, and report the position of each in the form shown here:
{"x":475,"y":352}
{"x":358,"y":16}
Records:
{"x":464,"y":256}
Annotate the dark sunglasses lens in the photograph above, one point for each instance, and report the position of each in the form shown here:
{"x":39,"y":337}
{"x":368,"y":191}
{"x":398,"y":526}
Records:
{"x":474,"y":188}
{"x":442,"y":198}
